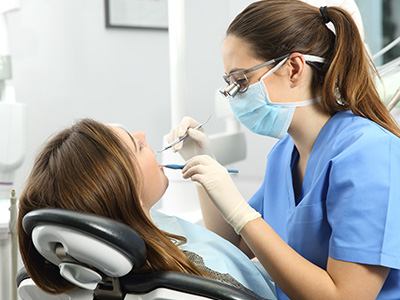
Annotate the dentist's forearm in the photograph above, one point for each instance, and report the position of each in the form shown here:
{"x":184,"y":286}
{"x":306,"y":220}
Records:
{"x":213,"y":219}
{"x":282,"y":263}
{"x":298,"y":278}
{"x":216,"y":223}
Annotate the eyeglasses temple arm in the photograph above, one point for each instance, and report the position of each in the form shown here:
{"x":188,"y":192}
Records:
{"x":260,"y":66}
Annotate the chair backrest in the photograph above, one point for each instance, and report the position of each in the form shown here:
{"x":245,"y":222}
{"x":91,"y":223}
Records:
{"x":99,"y":255}
{"x":159,"y":286}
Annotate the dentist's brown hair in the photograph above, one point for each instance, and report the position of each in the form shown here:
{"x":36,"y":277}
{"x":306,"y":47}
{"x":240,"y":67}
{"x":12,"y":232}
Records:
{"x":274,"y":28}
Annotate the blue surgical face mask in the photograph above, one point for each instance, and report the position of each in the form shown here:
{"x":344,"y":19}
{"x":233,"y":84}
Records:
{"x":255,"y":110}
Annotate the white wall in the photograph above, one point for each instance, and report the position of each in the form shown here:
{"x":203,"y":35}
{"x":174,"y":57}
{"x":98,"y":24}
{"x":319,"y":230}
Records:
{"x":67,"y":65}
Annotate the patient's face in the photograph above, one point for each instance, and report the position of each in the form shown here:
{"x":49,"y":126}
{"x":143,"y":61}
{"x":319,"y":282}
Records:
{"x":155,"y":182}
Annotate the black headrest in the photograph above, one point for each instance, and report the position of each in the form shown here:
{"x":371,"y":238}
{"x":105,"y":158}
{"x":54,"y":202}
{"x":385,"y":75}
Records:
{"x":118,"y":235}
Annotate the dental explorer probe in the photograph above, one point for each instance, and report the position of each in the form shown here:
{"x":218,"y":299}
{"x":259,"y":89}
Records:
{"x":177,"y":141}
{"x":176,"y":167}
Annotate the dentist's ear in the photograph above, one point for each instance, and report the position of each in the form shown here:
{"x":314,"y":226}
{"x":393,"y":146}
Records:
{"x":297,"y":64}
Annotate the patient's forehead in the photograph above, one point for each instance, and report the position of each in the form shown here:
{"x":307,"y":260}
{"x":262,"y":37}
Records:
{"x":123,"y":134}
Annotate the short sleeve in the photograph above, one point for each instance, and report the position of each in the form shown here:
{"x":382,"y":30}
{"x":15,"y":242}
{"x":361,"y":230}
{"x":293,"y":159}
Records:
{"x":363,"y":203}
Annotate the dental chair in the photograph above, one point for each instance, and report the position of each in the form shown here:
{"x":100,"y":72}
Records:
{"x":99,"y":256}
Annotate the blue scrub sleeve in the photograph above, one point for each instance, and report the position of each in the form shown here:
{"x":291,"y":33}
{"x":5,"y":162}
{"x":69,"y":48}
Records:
{"x":363,"y":204}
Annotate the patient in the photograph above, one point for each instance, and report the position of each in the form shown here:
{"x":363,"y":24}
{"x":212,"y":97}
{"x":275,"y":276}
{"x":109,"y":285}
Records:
{"x":101,"y":169}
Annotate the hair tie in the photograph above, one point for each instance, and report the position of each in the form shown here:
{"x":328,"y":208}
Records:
{"x":324,"y":14}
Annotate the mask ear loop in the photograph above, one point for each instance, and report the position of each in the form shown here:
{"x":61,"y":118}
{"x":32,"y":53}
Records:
{"x":274,"y":68}
{"x":301,"y":103}
{"x":269,"y":73}
{"x":308,"y":58}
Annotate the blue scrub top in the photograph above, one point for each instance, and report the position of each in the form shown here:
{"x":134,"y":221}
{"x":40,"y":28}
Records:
{"x":349,"y":206}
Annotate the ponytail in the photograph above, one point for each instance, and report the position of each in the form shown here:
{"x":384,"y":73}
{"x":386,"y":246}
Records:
{"x":349,"y":81}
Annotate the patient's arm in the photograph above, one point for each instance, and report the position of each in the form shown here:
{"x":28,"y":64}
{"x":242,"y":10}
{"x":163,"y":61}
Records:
{"x":216,"y":223}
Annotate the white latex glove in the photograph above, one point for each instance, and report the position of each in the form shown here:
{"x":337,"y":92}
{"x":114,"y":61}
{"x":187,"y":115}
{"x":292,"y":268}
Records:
{"x":196,"y":143}
{"x":221,"y":189}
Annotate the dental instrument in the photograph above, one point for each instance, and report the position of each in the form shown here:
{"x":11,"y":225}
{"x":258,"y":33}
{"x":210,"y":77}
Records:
{"x":177,"y":141}
{"x":177,"y":167}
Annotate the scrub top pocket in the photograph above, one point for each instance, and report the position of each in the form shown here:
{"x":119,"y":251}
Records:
{"x":307,"y":230}
{"x":308,"y":213}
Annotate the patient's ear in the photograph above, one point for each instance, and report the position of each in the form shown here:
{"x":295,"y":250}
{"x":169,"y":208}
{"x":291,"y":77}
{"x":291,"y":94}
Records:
{"x":141,"y":202}
{"x":145,"y":209}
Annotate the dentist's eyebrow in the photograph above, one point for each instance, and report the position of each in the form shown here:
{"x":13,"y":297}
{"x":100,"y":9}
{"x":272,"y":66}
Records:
{"x":235,"y":70}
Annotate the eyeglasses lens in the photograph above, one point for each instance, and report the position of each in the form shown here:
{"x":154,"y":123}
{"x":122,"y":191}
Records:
{"x":239,"y":79}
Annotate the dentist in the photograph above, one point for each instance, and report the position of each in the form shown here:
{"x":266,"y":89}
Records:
{"x":325,"y":221}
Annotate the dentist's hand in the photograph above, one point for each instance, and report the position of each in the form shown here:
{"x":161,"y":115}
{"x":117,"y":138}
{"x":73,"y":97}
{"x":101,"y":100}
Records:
{"x":196,"y":143}
{"x":219,"y":186}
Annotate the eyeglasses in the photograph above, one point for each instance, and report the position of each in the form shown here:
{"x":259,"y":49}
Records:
{"x":238,"y":82}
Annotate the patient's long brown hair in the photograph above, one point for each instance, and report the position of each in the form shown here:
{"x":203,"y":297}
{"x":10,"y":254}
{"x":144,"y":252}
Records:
{"x":88,"y":168}
{"x":274,"y":28}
